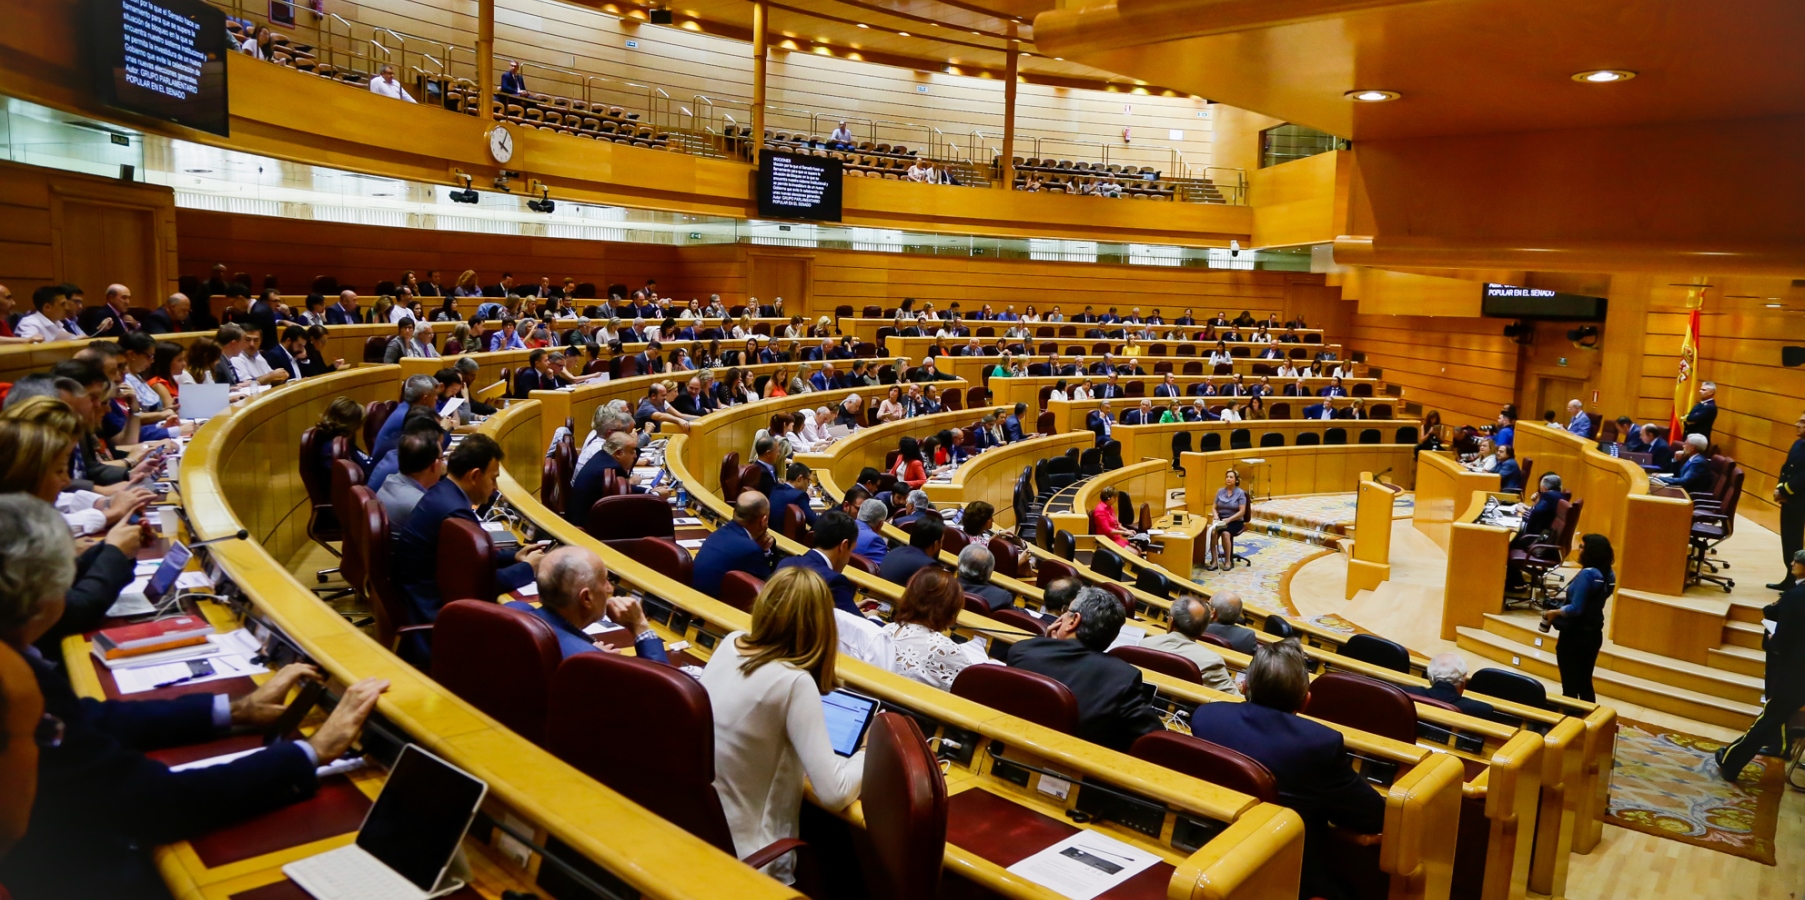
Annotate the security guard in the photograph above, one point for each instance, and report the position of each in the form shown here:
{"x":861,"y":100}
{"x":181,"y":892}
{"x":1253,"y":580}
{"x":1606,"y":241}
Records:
{"x":1785,"y":674}
{"x":1789,"y":492}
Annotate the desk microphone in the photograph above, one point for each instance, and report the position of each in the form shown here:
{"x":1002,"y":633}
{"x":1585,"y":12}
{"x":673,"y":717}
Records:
{"x":239,"y":536}
{"x":1381,"y":476}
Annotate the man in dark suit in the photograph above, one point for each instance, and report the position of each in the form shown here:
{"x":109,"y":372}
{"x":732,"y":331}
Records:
{"x":1695,"y":469}
{"x":287,"y":354}
{"x":1055,"y":600}
{"x":976,"y":565}
{"x":1271,"y":352}
{"x":1699,"y":420}
{"x":1785,"y":677}
{"x":768,"y":457}
{"x":1789,"y":492}
{"x":575,"y":593}
{"x":535,"y":376}
{"x":1447,"y":674}
{"x":345,"y":311}
{"x":620,"y":450}
{"x":1168,"y":387}
{"x":265,"y":315}
{"x":742,"y":545}
{"x":793,"y":491}
{"x":1510,"y":475}
{"x":417,"y":390}
{"x":694,"y":401}
{"x":1112,"y":708}
{"x":172,"y":317}
{"x":512,"y":82}
{"x":1541,"y":516}
{"x":110,"y":319}
{"x":1012,"y":426}
{"x":1228,"y":611}
{"x":1308,"y":760}
{"x":651,"y":359}
{"x":901,"y":563}
{"x":834,"y":537}
{"x":1140,"y":415}
{"x":1101,"y":421}
{"x":469,"y":483}
{"x":101,"y":803}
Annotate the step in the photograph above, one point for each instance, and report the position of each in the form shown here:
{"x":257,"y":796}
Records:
{"x":1713,"y":681}
{"x":1743,"y":634}
{"x":1611,"y":684}
{"x":1744,"y":609}
{"x":1741,"y":660}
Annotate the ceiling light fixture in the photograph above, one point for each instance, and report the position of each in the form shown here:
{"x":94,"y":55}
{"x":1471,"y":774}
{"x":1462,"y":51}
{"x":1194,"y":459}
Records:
{"x":1604,"y":76}
{"x":1372,"y":96}
{"x":902,"y":34}
{"x":863,"y":25}
{"x":1773,"y":306}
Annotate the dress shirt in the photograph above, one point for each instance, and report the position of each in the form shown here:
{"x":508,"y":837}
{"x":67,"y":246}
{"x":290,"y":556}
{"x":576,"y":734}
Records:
{"x":930,"y":657}
{"x":241,"y":369}
{"x":390,"y":89}
{"x":39,"y":325}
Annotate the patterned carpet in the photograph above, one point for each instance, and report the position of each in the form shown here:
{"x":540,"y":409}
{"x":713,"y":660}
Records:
{"x":1322,"y":514}
{"x":1260,"y":584}
{"x":1665,"y":783}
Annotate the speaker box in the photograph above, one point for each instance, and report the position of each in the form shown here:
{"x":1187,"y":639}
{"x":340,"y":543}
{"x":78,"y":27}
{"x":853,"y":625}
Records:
{"x":660,"y":17}
{"x":1792,"y":356}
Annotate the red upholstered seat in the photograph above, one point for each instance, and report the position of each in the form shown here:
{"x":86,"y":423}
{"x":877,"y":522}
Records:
{"x":1020,"y":693}
{"x":466,"y":565}
{"x":498,"y":660}
{"x":1160,"y":661}
{"x":795,"y":524}
{"x":904,"y":799}
{"x":1008,"y":558}
{"x":739,"y":590}
{"x":553,"y":484}
{"x":1052,"y":570}
{"x":1121,"y":593}
{"x":376,"y":412}
{"x":345,"y":475}
{"x":869,"y":567}
{"x":1217,"y":640}
{"x":322,"y":524}
{"x":953,"y":540}
{"x":1020,"y":618}
{"x":1364,"y":703}
{"x":662,"y":555}
{"x":625,"y":516}
{"x":1213,"y":763}
{"x":730,"y":476}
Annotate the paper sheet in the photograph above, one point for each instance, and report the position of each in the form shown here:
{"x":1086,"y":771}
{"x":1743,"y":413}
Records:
{"x":691,"y":521}
{"x":602,"y":627}
{"x":146,"y":678}
{"x":690,"y":545}
{"x":1084,"y":865}
{"x":531,"y":590}
{"x":1129,"y":636}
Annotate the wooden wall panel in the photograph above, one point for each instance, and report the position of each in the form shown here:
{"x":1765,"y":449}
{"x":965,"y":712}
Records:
{"x":1466,"y":368}
{"x":1300,"y":202}
{"x":66,"y":227}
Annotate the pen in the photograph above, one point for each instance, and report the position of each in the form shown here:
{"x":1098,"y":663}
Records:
{"x":173,"y":682}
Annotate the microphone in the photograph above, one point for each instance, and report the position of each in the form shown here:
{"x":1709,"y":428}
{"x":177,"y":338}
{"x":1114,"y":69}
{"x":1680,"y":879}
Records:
{"x":1383,"y":474}
{"x":239,"y":536}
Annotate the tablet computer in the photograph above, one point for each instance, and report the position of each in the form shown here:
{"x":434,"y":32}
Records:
{"x":848,"y":716}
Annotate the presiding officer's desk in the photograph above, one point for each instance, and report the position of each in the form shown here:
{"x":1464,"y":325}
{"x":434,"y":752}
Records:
{"x":1003,"y":799}
{"x":241,"y":470}
{"x":1444,"y":488}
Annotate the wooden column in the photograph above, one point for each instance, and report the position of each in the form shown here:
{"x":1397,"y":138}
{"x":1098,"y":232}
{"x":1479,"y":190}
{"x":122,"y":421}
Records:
{"x":485,"y":58}
{"x":1007,"y":164}
{"x":760,"y":16}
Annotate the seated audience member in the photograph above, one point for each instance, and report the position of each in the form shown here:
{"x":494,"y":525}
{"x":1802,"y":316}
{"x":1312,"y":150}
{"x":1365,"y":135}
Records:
{"x":469,"y":370}
{"x":49,"y":319}
{"x":402,"y":345}
{"x":1577,"y":421}
{"x":916,"y":506}
{"x":171,"y":317}
{"x":1655,"y":444}
{"x":536,"y":375}
{"x":575,"y":593}
{"x":929,"y":606}
{"x":765,"y":687}
{"x":508,"y":338}
{"x":343,"y":418}
{"x":833,"y":548}
{"x":1190,"y":620}
{"x":793,"y":491}
{"x":923,"y":550}
{"x":767,"y":454}
{"x":911,"y":466}
{"x":617,"y":451}
{"x":976,"y":565}
{"x":742,"y":545}
{"x":101,"y":803}
{"x":1307,"y":759}
{"x":1012,"y":426}
{"x":418,"y":391}
{"x":654,"y":408}
{"x":1112,"y":708}
{"x":1104,"y":522}
{"x":694,"y":402}
{"x":420,"y":465}
{"x":1056,"y":599}
{"x":418,"y":420}
{"x":1694,"y":476}
{"x":978,"y":520}
{"x":315,"y":361}
{"x":289,"y":354}
{"x":871,"y":542}
{"x":1510,"y":475}
{"x":1538,"y":524}
{"x":1227,"y":613}
{"x":468,"y":484}
{"x":1447,"y":674}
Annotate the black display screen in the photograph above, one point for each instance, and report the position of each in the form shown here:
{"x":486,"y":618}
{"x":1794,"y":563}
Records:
{"x":798,"y":187}
{"x":162,"y":58}
{"x":1508,"y":301}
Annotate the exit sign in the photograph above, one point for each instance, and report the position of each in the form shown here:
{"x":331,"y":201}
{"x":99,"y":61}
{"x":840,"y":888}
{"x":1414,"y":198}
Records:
{"x":1563,"y":361}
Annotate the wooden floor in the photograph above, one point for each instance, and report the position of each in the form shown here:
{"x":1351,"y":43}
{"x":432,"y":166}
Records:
{"x":1627,"y":864}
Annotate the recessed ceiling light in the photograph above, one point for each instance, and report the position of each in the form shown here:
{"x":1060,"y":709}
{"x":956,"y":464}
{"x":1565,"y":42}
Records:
{"x":1372,"y":96}
{"x":1604,"y":76}
{"x":902,"y":34}
{"x":863,"y":25}
{"x":1060,"y":58}
{"x":1773,"y":306}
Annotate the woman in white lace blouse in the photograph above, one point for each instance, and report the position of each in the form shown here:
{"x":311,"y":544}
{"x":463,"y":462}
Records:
{"x":929,"y":606}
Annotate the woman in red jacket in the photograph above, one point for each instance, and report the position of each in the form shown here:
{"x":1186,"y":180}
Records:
{"x":910,"y":468}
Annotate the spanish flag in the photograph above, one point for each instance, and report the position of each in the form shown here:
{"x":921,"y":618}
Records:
{"x":1686,"y":380}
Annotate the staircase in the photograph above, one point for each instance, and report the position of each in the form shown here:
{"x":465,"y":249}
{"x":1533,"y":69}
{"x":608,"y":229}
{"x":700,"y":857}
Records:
{"x":1198,"y":190}
{"x":968,"y":174}
{"x":1727,"y":692}
{"x":694,"y":144}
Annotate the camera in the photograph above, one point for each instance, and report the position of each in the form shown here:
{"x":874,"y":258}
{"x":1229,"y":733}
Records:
{"x":1544,"y":626}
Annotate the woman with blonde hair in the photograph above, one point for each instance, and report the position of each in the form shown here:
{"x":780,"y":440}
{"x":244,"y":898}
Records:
{"x":770,"y":731}
{"x":466,"y":285}
{"x":379,"y":313}
{"x":459,"y":340}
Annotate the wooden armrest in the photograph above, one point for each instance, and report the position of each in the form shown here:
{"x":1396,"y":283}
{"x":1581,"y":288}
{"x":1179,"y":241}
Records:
{"x":770,"y":854}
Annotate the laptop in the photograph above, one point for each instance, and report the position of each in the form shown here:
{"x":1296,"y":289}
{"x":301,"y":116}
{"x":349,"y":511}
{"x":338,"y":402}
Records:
{"x":409,"y":838}
{"x":204,"y":401}
{"x":137,"y":603}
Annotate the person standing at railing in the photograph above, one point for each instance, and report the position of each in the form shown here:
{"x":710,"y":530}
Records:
{"x":512,"y":82}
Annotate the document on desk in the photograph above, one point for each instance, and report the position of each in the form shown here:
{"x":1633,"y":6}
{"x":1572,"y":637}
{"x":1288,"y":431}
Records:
{"x":1129,"y":636}
{"x":686,"y":521}
{"x":1084,"y":865}
{"x":149,"y":678}
{"x":690,"y":545}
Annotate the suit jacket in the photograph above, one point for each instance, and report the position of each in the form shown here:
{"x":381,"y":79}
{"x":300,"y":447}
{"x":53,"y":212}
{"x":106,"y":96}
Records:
{"x":730,"y":549}
{"x":1307,"y":759}
{"x":901,"y":564}
{"x":92,"y":316}
{"x":415,"y":551}
{"x":572,"y":640}
{"x":1699,"y":420}
{"x":101,"y":572}
{"x":159,"y":322}
{"x":1112,"y":709}
{"x":313,"y":365}
{"x":512,"y":82}
{"x":1447,"y":694}
{"x":699,"y":405}
{"x":782,"y":495}
{"x":845,"y":595}
{"x":1096,"y":421}
{"x":1239,"y":637}
{"x":1785,"y":647}
{"x":1210,"y":663}
{"x":996,"y":597}
{"x":1166,"y":390}
{"x":764,"y":483}
{"x":278,"y":357}
{"x":1346,"y":412}
{"x":871,"y":544}
{"x":1695,"y":474}
{"x":102,"y":804}
{"x":399,"y":495}
{"x":1133,"y":417}
{"x":586,"y":487}
{"x":336,"y":315}
{"x":528,"y":380}
{"x":1012,"y":429}
{"x":1510,"y":477}
{"x":1541,"y":516}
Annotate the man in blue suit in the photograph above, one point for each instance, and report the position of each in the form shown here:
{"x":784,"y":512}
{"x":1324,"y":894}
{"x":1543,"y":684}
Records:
{"x":469,"y":483}
{"x":742,"y":545}
{"x":834,"y":538}
{"x":1012,"y":426}
{"x":1695,"y":472}
{"x":1307,"y":760}
{"x":793,"y":491}
{"x":923,"y":549}
{"x":575,"y":593}
{"x":871,"y":543}
{"x":1510,"y":475}
{"x":417,"y":391}
{"x":1577,"y":421}
{"x":1101,"y":421}
{"x":768,"y":458}
{"x":345,"y":312}
{"x":101,"y":803}
{"x":620,"y":450}
{"x":282,"y":355}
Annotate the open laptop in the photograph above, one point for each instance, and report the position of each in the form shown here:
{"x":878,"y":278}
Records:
{"x":143,"y":602}
{"x":204,"y":401}
{"x":409,"y":838}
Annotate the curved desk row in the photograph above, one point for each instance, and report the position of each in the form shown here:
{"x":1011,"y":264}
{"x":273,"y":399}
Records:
{"x":865,"y":328}
{"x":917,"y":347}
{"x":1155,"y":441}
{"x":1031,"y":389}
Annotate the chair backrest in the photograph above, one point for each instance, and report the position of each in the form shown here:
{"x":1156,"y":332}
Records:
{"x":1240,"y":439}
{"x":1570,"y":523}
{"x":1272,"y":439}
{"x":1504,"y":684}
{"x":1370,"y":648}
{"x":1021,"y":693}
{"x":1153,"y":582}
{"x":1020,"y":618}
{"x":1209,"y":442}
{"x":553,"y":484}
{"x":1065,"y":546}
{"x":1279,"y":626}
{"x":904,"y":798}
{"x":740,"y":589}
{"x":1105,"y":563}
{"x":376,"y":412}
{"x":1364,"y":703}
{"x":1043,"y":423}
{"x":953,"y":540}
{"x":1309,"y":439}
{"x":1112,"y":455}
{"x":669,"y":769}
{"x":1210,"y":762}
{"x":1159,"y":661}
{"x":1334,"y":436}
{"x":498,"y":660}
{"x":1051,"y":570}
{"x":1181,"y":444}
{"x":1406,"y":434}
{"x":1121,"y":593}
{"x":1008,"y":558}
{"x":466,"y":565}
{"x":347,"y":474}
{"x":1216,"y":640}
{"x":625,"y":516}
{"x":314,"y":476}
{"x":367,"y":534}
{"x":661,"y":555}
{"x":730,"y":476}
{"x":1369,"y":436}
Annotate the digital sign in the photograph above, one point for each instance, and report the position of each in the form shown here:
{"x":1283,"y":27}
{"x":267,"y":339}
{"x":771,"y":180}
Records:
{"x":162,"y":58}
{"x":798,"y":187}
{"x":1508,"y":301}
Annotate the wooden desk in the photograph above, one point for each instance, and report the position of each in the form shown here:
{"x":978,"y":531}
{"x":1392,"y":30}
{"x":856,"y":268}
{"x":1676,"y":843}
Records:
{"x":1478,"y":556}
{"x":1443,"y":488}
{"x":990,"y":476}
{"x":865,"y":328}
{"x":1180,"y":533}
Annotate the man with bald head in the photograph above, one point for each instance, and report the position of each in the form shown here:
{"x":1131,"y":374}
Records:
{"x":575,"y":593}
{"x":1447,"y":674}
{"x":1227,"y":609}
{"x":110,"y":319}
{"x":345,"y":311}
{"x":6,"y":328}
{"x":742,"y":545}
{"x":173,"y":317}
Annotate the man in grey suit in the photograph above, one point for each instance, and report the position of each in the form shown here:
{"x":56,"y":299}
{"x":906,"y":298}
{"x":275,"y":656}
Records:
{"x":1190,"y":616}
{"x":421,"y":467}
{"x":1227,"y":626}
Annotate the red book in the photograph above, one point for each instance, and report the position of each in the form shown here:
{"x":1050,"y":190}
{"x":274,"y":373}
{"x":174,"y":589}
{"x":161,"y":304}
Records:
{"x":153,"y":636}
